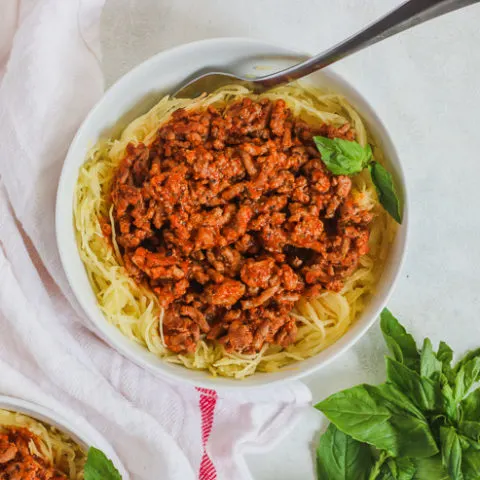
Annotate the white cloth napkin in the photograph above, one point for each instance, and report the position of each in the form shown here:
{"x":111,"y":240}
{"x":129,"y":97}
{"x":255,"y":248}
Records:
{"x":50,"y":77}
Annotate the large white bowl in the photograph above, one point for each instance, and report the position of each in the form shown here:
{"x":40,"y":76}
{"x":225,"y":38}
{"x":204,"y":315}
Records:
{"x":83,"y":435}
{"x":133,"y":95}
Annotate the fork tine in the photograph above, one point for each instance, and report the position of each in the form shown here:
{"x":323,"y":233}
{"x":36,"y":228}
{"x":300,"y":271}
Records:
{"x":206,"y":83}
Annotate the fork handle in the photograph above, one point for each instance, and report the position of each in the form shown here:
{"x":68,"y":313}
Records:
{"x":407,"y":15}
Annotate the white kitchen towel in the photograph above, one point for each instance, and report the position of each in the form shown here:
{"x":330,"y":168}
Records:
{"x":50,"y":77}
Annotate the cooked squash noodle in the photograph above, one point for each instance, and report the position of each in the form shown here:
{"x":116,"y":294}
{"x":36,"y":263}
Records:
{"x":54,"y":447}
{"x":135,"y":310}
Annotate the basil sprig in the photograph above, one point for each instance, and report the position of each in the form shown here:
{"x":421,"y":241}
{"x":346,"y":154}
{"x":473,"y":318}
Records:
{"x":344,"y":157}
{"x":423,"y":423}
{"x":100,"y":467}
{"x":340,"y":456}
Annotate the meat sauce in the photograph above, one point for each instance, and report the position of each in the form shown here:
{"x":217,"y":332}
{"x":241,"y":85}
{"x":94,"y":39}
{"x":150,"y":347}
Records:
{"x":230,"y":216}
{"x":16,"y":461}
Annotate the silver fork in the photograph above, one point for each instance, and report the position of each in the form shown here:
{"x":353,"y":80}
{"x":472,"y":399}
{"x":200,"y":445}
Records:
{"x":407,"y":15}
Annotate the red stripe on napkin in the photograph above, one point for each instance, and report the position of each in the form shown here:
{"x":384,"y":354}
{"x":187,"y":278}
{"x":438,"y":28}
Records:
{"x":208,"y":400}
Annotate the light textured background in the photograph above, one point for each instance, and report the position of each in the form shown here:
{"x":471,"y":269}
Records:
{"x":425,"y":85}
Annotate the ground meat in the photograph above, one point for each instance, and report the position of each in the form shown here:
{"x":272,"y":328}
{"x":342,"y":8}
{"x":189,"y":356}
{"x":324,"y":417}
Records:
{"x":230,"y":216}
{"x":16,"y":461}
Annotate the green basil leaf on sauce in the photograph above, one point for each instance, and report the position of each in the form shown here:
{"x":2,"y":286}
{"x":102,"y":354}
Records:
{"x":387,"y":193}
{"x":100,"y":467}
{"x":343,"y":157}
{"x":339,"y":457}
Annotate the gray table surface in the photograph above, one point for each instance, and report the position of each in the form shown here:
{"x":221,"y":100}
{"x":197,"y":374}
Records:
{"x":425,"y":85}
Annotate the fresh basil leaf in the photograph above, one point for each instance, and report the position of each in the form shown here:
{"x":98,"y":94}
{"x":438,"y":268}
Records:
{"x":385,"y":473}
{"x":383,"y":417}
{"x":387,"y":193}
{"x":467,"y":442}
{"x":340,"y":457}
{"x":414,"y":436}
{"x":423,"y":392}
{"x":99,"y":467}
{"x":471,"y":464}
{"x":445,"y":355}
{"x":466,"y":377}
{"x":397,"y":469}
{"x":459,"y":385}
{"x":406,"y":468}
{"x":451,"y":452}
{"x":471,"y":429}
{"x":430,"y":468}
{"x":472,"y":373}
{"x":401,"y":344}
{"x":450,"y":405}
{"x":436,"y":421}
{"x":379,"y":472}
{"x":468,"y":356}
{"x":470,"y":406}
{"x":356,"y":413}
{"x":429,"y":364}
{"x":343,"y":157}
{"x":394,"y":399}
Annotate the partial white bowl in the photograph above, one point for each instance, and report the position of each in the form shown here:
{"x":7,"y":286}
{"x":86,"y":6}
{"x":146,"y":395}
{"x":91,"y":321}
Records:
{"x":132,"y":96}
{"x":82,"y":434}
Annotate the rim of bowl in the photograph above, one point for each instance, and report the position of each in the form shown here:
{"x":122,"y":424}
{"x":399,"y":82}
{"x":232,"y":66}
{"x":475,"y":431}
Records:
{"x":202,"y":378}
{"x":83,"y":436}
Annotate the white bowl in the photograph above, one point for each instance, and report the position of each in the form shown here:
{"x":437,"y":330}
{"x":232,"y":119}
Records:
{"x":82,"y":434}
{"x":132,"y":96}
